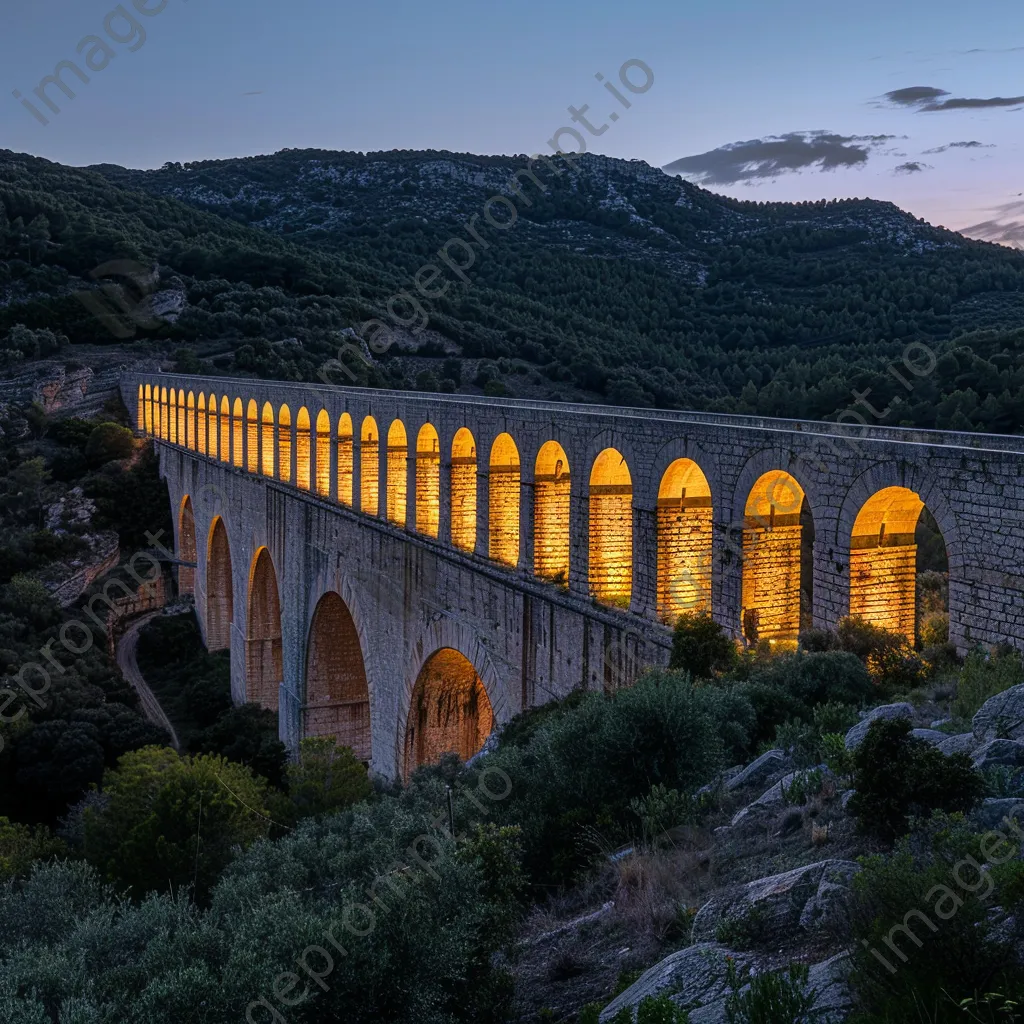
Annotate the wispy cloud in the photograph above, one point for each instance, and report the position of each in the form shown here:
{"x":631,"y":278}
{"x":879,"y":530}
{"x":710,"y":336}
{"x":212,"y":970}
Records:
{"x":912,"y":167}
{"x":928,"y":99}
{"x":776,"y":155}
{"x":1004,"y":224}
{"x":961,"y":145}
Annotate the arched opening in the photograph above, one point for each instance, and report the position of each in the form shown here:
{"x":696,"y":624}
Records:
{"x":140,"y":409}
{"x":172,"y":423}
{"x":345,"y":459}
{"x":149,"y":409}
{"x":284,"y":444}
{"x":503,"y":503}
{"x":449,"y":711}
{"x":551,"y":487}
{"x":165,"y":431}
{"x":303,"y":449}
{"x":684,"y":541}
{"x":463,"y":490}
{"x":201,"y":424}
{"x":186,"y":547}
{"x":398,"y":468}
{"x":323,"y":453}
{"x":611,"y":530}
{"x":181,"y":418}
{"x":225,"y":429}
{"x":894,"y":543}
{"x":774,"y":605}
{"x":190,"y":421}
{"x":252,"y":437}
{"x":237,"y":431}
{"x":211,"y":433}
{"x":220,"y":606}
{"x":428,"y":481}
{"x":264,"y":664}
{"x":369,"y":467}
{"x":337,"y":697}
{"x":269,"y":447}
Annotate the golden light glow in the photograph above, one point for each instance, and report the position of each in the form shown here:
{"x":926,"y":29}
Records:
{"x":190,"y":421}
{"x":140,"y":410}
{"x":164,"y":426}
{"x":772,"y":536}
{"x":503,"y":501}
{"x":611,"y":529}
{"x":883,"y":561}
{"x":172,"y":422}
{"x":398,"y":468}
{"x":264,"y":662}
{"x":186,"y":547}
{"x":225,"y":429}
{"x":323,"y":453}
{"x":181,"y":417}
{"x":149,"y":409}
{"x":201,"y":425}
{"x":684,"y":541}
{"x":303,"y":449}
{"x":551,"y":486}
{"x":428,"y":481}
{"x":284,"y":444}
{"x":267,"y":430}
{"x":463,"y":490}
{"x":369,"y":467}
{"x":219,"y":588}
{"x":236,"y":433}
{"x":252,"y":436}
{"x":211,"y":433}
{"x":449,"y":711}
{"x":345,"y":459}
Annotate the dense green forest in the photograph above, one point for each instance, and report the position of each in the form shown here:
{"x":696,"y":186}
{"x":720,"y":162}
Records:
{"x":615,"y":282}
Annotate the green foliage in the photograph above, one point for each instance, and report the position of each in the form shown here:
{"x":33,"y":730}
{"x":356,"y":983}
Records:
{"x":21,"y":846}
{"x":701,"y":647}
{"x":664,"y":808}
{"x":889,"y":657}
{"x":898,"y":776}
{"x":660,"y":1010}
{"x":983,"y":676}
{"x":744,"y":930}
{"x":773,"y":997}
{"x":804,"y":785}
{"x":246,"y":733}
{"x":834,"y":754}
{"x":109,"y":441}
{"x":496,"y":852}
{"x":325,"y":777}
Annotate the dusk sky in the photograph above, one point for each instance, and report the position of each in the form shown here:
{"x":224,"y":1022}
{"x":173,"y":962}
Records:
{"x":918,"y":103}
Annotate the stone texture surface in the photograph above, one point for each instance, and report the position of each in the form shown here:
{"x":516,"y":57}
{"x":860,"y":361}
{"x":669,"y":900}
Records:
{"x":1009,"y":753}
{"x":1001,"y":715}
{"x":775,"y":795}
{"x":771,"y":763}
{"x":860,"y":730}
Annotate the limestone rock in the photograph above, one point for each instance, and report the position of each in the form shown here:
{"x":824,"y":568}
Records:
{"x":932,"y":736}
{"x":963,"y":742}
{"x":1002,"y":715}
{"x":776,"y":795}
{"x":856,"y":735}
{"x":999,"y":752}
{"x":769,"y":764}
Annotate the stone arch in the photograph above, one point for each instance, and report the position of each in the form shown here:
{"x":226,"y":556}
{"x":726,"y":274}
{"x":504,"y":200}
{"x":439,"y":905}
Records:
{"x":369,"y":467}
{"x":303,"y":449}
{"x":551,"y":494}
{"x":267,"y":437}
{"x":428,"y":481}
{"x":323,"y":453}
{"x":449,"y":711}
{"x":140,"y":409}
{"x":284,"y":444}
{"x":181,"y":417}
{"x":252,"y":436}
{"x":503,"y":477}
{"x":346,"y":459}
{"x":237,"y":428}
{"x":264,"y":664}
{"x":220,"y":601}
{"x":337,"y":695}
{"x":148,"y":422}
{"x":172,"y":423}
{"x":684,"y":541}
{"x":225,"y":429}
{"x":462,"y":485}
{"x":190,"y":421}
{"x":211,"y":426}
{"x":164,"y":428}
{"x":186,"y":546}
{"x":610,"y":529}
{"x":398,"y":473}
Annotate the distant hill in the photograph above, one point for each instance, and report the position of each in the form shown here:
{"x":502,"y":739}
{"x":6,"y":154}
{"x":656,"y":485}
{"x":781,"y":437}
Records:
{"x":616,"y":281}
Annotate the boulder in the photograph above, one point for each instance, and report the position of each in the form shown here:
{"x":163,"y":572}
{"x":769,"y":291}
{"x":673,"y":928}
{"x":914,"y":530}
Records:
{"x":1009,"y":753}
{"x":932,"y":736}
{"x":773,"y":908}
{"x":959,"y":743}
{"x":856,"y":735}
{"x":1001,"y":715}
{"x":991,"y":811}
{"x":775,"y":795}
{"x":769,"y":766}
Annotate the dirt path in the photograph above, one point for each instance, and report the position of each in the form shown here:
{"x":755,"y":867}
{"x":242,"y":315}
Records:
{"x":129,"y":666}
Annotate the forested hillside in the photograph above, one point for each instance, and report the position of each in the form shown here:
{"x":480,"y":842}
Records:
{"x":616,"y":282}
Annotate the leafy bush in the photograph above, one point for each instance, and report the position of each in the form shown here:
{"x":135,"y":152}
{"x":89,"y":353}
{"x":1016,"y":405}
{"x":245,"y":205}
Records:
{"x":664,"y":808}
{"x":109,"y":441}
{"x":889,"y":656}
{"x":815,"y":678}
{"x":326,"y":777}
{"x":20,"y":846}
{"x":897,"y":776}
{"x":774,"y":997}
{"x":246,"y":734}
{"x":983,"y":676}
{"x":701,"y":647}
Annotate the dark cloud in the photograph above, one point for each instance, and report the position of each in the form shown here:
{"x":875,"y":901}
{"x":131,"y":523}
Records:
{"x":912,"y":167}
{"x":927,"y":99}
{"x":1005,"y":225}
{"x":961,"y":145}
{"x":778,"y":154}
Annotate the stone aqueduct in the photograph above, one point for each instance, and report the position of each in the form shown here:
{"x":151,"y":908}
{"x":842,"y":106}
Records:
{"x":403,"y":570}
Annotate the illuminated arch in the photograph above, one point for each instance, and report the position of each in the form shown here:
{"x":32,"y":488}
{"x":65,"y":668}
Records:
{"x":186,"y":547}
{"x":220,"y":604}
{"x":303,"y":449}
{"x":181,"y":418}
{"x":225,"y":429}
{"x":284,"y":444}
{"x":201,"y":424}
{"x":172,"y":418}
{"x":369,"y":467}
{"x":237,"y":432}
{"x":346,"y":453}
{"x":611,"y":529}
{"x":449,"y":711}
{"x":398,"y":469}
{"x":883,"y":560}
{"x":551,"y":486}
{"x":211,"y":432}
{"x":164,"y":415}
{"x":269,"y":446}
{"x":503,"y":501}
{"x":772,"y":546}
{"x":463,"y":490}
{"x":252,"y":436}
{"x":190,"y":421}
{"x":264,"y":661}
{"x":140,"y":409}
{"x":684,"y":541}
{"x":148,"y":423}
{"x":323,"y":453}
{"x":428,"y":481}
{"x":337,"y":696}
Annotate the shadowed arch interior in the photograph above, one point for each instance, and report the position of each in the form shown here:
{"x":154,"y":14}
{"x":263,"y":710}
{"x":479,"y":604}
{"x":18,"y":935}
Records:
{"x":323,"y":453}
{"x":186,"y":547}
{"x":611,"y":529}
{"x":267,"y":437}
{"x":346,"y":455}
{"x":337,"y":696}
{"x":463,"y":490}
{"x":264,"y":665}
{"x":252,"y":437}
{"x":684,"y":541}
{"x":551,"y":488}
{"x":303,"y":449}
{"x":284,"y":444}
{"x":220,"y":604}
{"x":503,"y":501}
{"x":398,"y":469}
{"x":428,"y":481}
{"x":369,"y":467}
{"x":449,"y":711}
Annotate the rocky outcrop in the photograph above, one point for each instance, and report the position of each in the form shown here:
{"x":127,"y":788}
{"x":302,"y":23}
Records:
{"x":1001,"y":716}
{"x":856,"y":735}
{"x":1007,"y":753}
{"x":768,"y":767}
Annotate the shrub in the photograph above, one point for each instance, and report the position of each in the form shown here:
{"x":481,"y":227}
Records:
{"x":21,"y":846}
{"x":983,"y":676}
{"x":890,"y":658}
{"x":326,"y":777}
{"x":664,"y":808}
{"x":109,"y":441}
{"x":774,"y":997}
{"x":897,"y":776}
{"x":816,"y":678}
{"x":701,"y":647}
